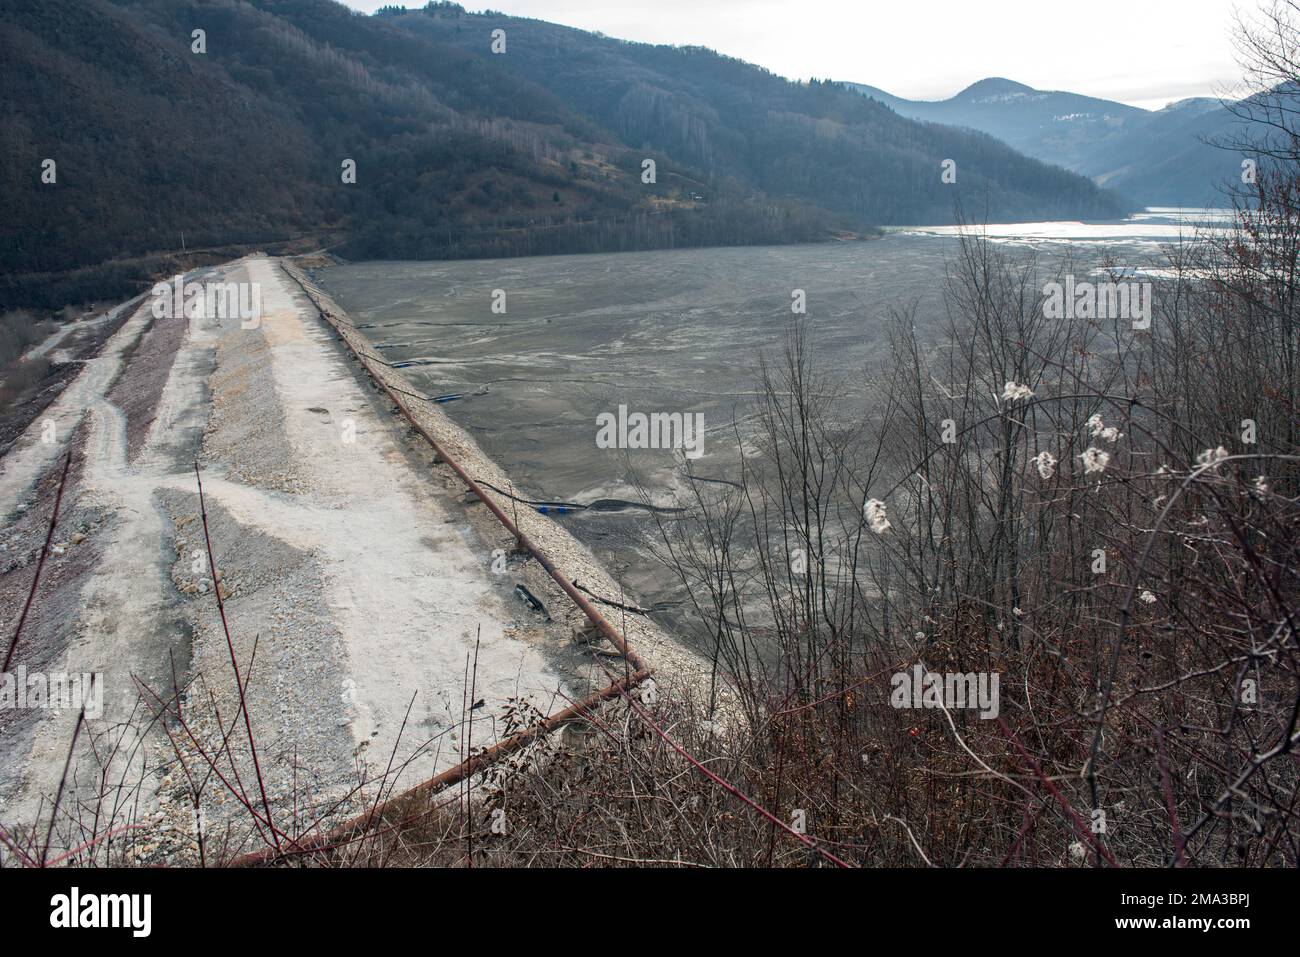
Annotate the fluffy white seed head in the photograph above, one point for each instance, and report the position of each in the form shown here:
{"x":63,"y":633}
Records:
{"x":1015,"y":392}
{"x":1212,"y":457}
{"x":1094,"y":459}
{"x":874,"y":511}
{"x":1045,"y":462}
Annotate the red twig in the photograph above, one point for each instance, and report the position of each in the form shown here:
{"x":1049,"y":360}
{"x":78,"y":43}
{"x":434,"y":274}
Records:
{"x":1179,"y":861}
{"x":18,"y":852}
{"x":469,"y":752}
{"x":67,"y":764}
{"x":234,"y":661}
{"x":1079,"y":826}
{"x":107,"y":835}
{"x":40,"y":564}
{"x":728,"y":786}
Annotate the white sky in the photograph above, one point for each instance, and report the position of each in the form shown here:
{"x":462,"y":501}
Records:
{"x":1144,"y":52}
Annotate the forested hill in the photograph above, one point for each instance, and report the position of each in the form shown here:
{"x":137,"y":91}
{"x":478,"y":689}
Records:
{"x":459,"y":151}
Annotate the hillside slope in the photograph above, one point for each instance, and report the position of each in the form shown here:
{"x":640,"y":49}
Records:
{"x":458,"y":151}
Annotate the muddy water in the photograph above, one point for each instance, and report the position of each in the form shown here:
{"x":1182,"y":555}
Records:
{"x":669,"y":331}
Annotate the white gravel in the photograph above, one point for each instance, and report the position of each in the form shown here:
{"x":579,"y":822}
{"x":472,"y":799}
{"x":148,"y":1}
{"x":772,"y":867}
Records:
{"x":352,"y":565}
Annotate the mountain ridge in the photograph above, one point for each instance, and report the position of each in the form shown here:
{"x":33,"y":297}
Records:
{"x":1164,"y":157}
{"x":458,"y":152}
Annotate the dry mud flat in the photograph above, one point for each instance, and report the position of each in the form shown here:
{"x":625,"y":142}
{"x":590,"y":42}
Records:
{"x":360,"y":585}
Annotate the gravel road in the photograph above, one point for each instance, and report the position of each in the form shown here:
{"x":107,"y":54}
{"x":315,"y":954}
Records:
{"x":362,"y":590}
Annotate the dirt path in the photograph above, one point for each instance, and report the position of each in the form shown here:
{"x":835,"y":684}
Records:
{"x":127,"y":627}
{"x":39,"y":446}
{"x":127,"y":631}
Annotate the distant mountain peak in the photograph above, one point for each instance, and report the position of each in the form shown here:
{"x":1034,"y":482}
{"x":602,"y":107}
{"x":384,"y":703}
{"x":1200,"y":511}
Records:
{"x":1164,"y":157}
{"x":1194,"y":103}
{"x":993,"y":86}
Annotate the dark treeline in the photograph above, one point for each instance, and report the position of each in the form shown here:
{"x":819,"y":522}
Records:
{"x":458,"y":151}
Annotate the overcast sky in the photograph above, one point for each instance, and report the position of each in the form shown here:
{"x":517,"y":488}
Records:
{"x":1144,"y":52}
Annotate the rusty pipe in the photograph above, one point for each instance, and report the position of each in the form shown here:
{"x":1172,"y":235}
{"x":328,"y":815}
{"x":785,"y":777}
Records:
{"x":454,"y":775}
{"x":593,"y":615}
{"x":501,"y":749}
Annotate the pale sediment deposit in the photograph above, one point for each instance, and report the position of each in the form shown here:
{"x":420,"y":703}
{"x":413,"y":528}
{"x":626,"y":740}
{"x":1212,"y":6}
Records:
{"x":372,"y":606}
